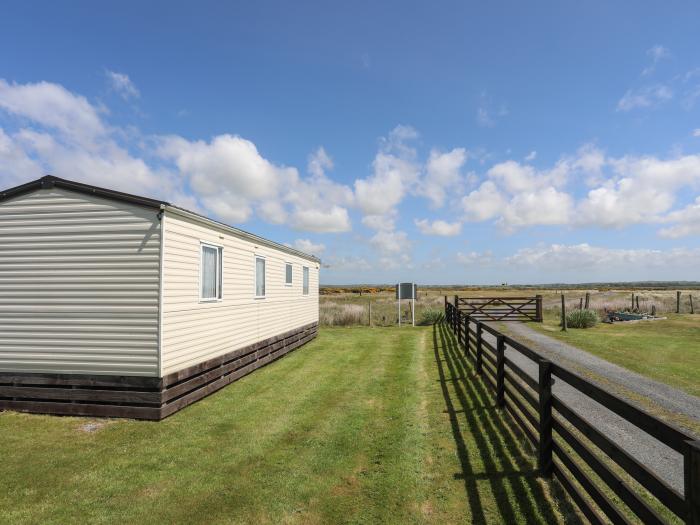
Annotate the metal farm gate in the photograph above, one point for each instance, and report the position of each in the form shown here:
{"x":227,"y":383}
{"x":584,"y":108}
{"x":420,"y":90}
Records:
{"x":500,"y":308}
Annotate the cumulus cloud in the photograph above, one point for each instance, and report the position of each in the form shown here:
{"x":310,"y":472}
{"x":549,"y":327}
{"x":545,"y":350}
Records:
{"x":56,"y":131}
{"x":122,"y":85}
{"x":639,"y":189}
{"x":687,"y":222}
{"x":307,"y":246}
{"x":438,"y":227}
{"x":395,"y":171}
{"x":622,"y":191}
{"x":531,"y":156}
{"x":696,"y":132}
{"x":442,"y":174}
{"x":54,"y":107}
{"x":484,"y":203}
{"x":547,"y":206}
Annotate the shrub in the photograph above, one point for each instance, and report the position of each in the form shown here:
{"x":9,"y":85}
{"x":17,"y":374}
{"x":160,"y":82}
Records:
{"x":429,"y":316}
{"x":582,"y":319}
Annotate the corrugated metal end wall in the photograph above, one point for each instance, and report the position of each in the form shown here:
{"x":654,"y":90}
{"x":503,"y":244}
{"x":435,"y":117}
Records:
{"x":79,"y":278}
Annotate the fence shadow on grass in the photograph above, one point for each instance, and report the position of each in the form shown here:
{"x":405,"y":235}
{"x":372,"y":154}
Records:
{"x":507,"y":460}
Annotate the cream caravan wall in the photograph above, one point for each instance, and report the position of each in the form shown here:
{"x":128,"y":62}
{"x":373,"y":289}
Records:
{"x":79,"y":278}
{"x":194,"y":331}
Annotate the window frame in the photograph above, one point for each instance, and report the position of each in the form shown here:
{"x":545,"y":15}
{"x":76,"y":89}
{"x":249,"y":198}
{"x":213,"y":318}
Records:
{"x":219,"y":272}
{"x":255,"y":276}
{"x":305,"y":275}
{"x":291,"y":265}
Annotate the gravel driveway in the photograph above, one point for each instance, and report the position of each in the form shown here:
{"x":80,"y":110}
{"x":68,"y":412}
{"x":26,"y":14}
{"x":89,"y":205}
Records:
{"x":666,"y":462}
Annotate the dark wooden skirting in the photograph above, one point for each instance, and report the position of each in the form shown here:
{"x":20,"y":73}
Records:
{"x":142,"y":397}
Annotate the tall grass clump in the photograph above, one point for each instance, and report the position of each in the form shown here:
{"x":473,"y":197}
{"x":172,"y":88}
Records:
{"x":429,"y":316}
{"x":334,"y":314}
{"x":582,"y":319}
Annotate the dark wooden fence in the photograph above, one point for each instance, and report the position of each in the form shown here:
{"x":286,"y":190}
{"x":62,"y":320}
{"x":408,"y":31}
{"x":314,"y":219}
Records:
{"x":569,"y":447}
{"x":500,"y":308}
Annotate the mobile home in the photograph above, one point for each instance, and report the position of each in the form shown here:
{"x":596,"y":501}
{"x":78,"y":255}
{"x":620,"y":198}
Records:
{"x":124,"y":306}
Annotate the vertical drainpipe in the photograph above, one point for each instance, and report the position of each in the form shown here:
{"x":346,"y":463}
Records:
{"x":161,"y":218}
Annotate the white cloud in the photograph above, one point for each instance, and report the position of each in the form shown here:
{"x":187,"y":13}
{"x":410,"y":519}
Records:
{"x":319,"y":162}
{"x":64,"y":134}
{"x":531,"y":156}
{"x":122,"y":84}
{"x":332,"y":220}
{"x":228,"y":165}
{"x":656,"y":54}
{"x":306,"y":246}
{"x":380,"y":222}
{"x":475,"y":258}
{"x":56,"y":131}
{"x":640,"y":189}
{"x":687,"y":222}
{"x":390,"y":242}
{"x":352,"y":263}
{"x":442,"y":174}
{"x":394,"y":173}
{"x":696,"y":132}
{"x":546,"y":206}
{"x":230,"y":168}
{"x":15,"y":164}
{"x":52,"y":106}
{"x":648,"y":96}
{"x":623,"y":191}
{"x":581,"y":258}
{"x":438,"y":227}
{"x":484,"y":203}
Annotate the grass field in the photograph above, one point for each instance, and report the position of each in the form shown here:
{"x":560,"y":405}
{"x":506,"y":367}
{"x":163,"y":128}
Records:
{"x":666,"y":350}
{"x":340,"y":307}
{"x":360,"y":426}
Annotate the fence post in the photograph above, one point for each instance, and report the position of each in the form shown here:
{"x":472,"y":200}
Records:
{"x":588,"y":299}
{"x":544,"y":456}
{"x":466,"y":335}
{"x":500,"y":370}
{"x":478,"y":347}
{"x":691,"y":469}
{"x":678,"y":302}
{"x":692,"y":309}
{"x":563,"y":313}
{"x":538,"y":308}
{"x":459,"y":329}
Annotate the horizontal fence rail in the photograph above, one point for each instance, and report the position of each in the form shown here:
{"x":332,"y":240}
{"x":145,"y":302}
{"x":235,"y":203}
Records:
{"x":593,"y":469}
{"x":500,"y":308}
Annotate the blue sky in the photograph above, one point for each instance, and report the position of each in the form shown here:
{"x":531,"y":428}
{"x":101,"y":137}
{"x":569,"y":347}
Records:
{"x":436,"y":142}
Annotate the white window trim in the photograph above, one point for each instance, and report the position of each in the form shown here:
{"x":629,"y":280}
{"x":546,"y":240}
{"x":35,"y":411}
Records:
{"x":255,"y":276}
{"x":220,"y":273}
{"x":285,"y":273}
{"x":308,"y":284}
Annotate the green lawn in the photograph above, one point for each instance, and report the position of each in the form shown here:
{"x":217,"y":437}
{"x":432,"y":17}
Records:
{"x":668,"y":350}
{"x":381,"y":425}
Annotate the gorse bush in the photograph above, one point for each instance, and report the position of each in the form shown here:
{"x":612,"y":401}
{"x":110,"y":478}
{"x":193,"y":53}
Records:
{"x":582,"y":319}
{"x":429,"y":316}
